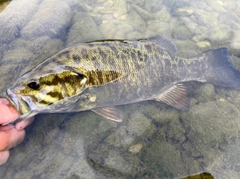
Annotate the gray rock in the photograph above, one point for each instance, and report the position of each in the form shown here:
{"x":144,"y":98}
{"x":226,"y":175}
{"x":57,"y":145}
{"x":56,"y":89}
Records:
{"x":84,"y":29}
{"x":36,"y":46}
{"x":204,"y":45}
{"x":216,"y":6}
{"x":186,"y":48}
{"x":163,"y":158}
{"x":110,"y":29}
{"x":16,"y":15}
{"x":48,"y":47}
{"x":156,"y":27}
{"x":204,"y":17}
{"x":210,"y":125}
{"x":220,"y":34}
{"x":135,"y":35}
{"x":120,"y":138}
{"x":120,"y":7}
{"x":205,"y":93}
{"x":51,"y":20}
{"x":186,"y":11}
{"x":139,"y":24}
{"x":235,"y":43}
{"x":153,"y":6}
{"x":143,"y":13}
{"x":163,"y":15}
{"x":140,"y":125}
{"x":13,"y":64}
{"x":228,"y":164}
{"x":181,"y":32}
{"x":159,"y":112}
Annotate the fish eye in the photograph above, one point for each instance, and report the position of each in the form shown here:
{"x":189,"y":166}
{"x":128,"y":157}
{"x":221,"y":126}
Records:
{"x":33,"y":85}
{"x":81,"y":76}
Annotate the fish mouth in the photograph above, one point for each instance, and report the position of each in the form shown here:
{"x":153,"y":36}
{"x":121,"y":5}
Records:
{"x":24,"y":105}
{"x":12,"y":98}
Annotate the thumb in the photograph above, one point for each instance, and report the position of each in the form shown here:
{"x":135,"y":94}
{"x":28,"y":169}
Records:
{"x":8,"y":112}
{"x":24,"y":123}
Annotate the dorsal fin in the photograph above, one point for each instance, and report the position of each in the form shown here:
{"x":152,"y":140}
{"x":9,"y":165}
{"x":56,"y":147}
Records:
{"x":164,"y":43}
{"x":176,"y":96}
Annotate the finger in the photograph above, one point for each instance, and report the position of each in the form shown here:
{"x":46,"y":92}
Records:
{"x":10,"y":138}
{"x":4,"y":155}
{"x":4,"y":140}
{"x":24,"y":123}
{"x":6,"y":128}
{"x":8,"y":113}
{"x":4,"y":101}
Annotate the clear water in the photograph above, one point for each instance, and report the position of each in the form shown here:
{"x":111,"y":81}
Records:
{"x":154,"y":140}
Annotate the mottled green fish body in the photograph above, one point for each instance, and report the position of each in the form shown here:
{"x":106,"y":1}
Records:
{"x":98,"y":76}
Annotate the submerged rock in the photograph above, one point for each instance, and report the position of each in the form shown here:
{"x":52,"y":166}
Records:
{"x":181,"y":32}
{"x":210,"y":125}
{"x":53,"y":16}
{"x":17,"y":14}
{"x":143,"y":13}
{"x":164,"y":158}
{"x":139,"y":25}
{"x":84,"y":29}
{"x":203,"y":45}
{"x":184,"y":11}
{"x":110,"y":30}
{"x":205,"y":93}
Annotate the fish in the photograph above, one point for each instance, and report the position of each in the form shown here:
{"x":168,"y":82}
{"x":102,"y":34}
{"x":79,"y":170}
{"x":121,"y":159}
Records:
{"x":102,"y":75}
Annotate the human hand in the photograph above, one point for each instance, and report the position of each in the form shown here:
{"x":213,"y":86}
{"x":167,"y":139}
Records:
{"x":10,"y":135}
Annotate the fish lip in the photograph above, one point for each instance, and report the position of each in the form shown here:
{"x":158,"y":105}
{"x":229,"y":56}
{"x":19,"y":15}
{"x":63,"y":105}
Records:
{"x":12,"y":98}
{"x":17,"y":101}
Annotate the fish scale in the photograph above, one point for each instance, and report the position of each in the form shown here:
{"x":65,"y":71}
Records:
{"x":99,"y":76}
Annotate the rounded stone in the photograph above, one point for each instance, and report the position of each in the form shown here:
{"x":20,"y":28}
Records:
{"x":184,"y":11}
{"x":203,"y":45}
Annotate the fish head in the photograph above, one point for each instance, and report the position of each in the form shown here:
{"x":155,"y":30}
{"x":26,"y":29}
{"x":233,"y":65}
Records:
{"x":41,"y":90}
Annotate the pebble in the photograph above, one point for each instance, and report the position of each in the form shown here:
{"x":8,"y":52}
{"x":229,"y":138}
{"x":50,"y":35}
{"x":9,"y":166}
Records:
{"x":184,"y":11}
{"x":135,"y":148}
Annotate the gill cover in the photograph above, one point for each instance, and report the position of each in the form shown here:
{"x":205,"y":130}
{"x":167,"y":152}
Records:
{"x":52,"y":88}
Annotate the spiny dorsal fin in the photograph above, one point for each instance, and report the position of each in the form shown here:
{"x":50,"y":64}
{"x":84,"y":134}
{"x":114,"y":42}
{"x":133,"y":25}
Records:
{"x":109,"y":113}
{"x":176,"y":96}
{"x":164,"y":43}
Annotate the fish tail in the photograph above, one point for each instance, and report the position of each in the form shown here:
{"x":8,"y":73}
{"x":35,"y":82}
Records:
{"x":222,"y":71}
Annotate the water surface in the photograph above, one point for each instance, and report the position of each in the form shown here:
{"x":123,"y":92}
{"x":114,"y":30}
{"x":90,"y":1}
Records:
{"x":154,"y":140}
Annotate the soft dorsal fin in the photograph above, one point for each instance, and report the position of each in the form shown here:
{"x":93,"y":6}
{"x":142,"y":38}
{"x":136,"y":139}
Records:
{"x":109,"y":113}
{"x":176,"y":96}
{"x":164,"y":43}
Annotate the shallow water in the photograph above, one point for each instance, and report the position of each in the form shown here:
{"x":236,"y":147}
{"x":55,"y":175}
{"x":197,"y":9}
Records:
{"x":154,"y":140}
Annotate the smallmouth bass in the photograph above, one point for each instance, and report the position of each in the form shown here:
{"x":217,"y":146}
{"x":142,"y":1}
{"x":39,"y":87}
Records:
{"x":98,"y":76}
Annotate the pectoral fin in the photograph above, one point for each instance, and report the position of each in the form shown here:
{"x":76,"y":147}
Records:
{"x":109,"y":113}
{"x":176,"y":96}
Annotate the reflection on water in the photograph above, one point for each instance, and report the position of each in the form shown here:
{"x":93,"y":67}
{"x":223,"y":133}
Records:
{"x":155,"y":141}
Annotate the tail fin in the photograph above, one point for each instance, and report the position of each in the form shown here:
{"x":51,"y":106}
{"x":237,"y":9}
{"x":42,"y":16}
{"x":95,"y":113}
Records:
{"x":222,"y":73}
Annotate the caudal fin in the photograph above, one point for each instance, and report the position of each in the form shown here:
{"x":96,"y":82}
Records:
{"x":221,"y":70}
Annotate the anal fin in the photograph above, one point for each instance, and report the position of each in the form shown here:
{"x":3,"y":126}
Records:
{"x":109,"y":113}
{"x":176,"y":96}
